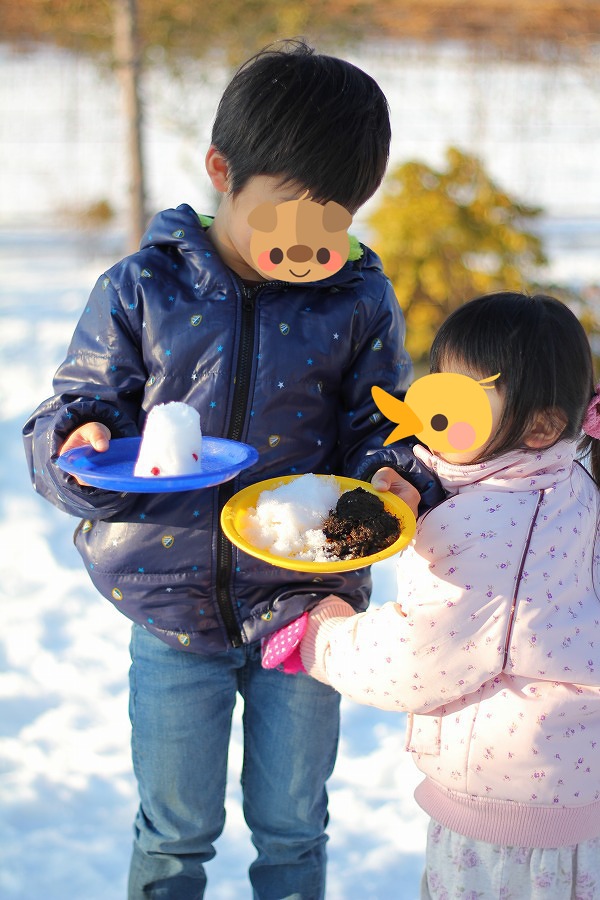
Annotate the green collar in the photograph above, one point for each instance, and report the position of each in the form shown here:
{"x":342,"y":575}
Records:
{"x":356,"y":250}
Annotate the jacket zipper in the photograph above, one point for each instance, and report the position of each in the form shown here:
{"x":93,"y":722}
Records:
{"x":513,"y":607}
{"x":235,"y":433}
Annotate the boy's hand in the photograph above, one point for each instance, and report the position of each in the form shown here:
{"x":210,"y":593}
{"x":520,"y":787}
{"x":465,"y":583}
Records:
{"x":387,"y":479}
{"x":93,"y":434}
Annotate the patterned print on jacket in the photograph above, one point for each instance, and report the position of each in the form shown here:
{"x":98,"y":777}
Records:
{"x":497,"y":659}
{"x":286,"y":368}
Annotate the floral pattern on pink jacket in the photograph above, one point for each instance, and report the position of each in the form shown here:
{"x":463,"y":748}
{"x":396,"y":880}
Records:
{"x":493,"y":646}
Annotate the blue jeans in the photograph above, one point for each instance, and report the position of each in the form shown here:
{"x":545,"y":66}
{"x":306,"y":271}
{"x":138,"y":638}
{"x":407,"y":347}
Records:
{"x":181,"y":707}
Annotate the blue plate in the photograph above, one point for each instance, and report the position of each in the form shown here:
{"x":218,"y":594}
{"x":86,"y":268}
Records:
{"x":222,"y":460}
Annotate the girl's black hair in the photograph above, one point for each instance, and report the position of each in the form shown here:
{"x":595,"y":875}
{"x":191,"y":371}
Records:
{"x":307,"y":118}
{"x":544,"y":358}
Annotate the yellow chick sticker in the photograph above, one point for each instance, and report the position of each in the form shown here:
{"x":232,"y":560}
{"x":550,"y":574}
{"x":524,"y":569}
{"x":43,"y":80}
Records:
{"x":448,"y":412}
{"x":299,"y":240}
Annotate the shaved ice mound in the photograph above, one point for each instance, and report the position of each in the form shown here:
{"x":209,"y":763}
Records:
{"x":171,"y":442}
{"x":287,"y":520}
{"x":312,"y":518}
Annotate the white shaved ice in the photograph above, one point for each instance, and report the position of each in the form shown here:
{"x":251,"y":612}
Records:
{"x":171,"y":442}
{"x":287,"y":520}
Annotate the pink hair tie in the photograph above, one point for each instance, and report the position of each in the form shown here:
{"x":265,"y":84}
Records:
{"x":591,"y":420}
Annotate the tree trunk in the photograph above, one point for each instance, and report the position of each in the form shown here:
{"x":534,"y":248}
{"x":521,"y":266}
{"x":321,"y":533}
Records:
{"x":127,"y":60}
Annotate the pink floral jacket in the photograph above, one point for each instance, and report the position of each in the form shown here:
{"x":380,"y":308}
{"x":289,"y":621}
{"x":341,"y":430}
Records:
{"x":493,"y":649}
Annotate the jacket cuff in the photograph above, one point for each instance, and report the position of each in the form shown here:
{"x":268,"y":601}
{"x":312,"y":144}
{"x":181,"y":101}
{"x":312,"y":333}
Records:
{"x":322,"y":623}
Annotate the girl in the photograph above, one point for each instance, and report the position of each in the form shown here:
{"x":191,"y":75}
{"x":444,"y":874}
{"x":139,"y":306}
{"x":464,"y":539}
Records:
{"x":495,"y":649}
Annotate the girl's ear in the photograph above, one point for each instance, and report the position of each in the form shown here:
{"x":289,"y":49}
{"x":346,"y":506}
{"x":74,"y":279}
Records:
{"x":218,"y":169}
{"x":546,"y":428}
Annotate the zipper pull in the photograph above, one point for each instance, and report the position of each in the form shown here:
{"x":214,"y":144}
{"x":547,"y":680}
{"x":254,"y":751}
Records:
{"x":249,"y":296}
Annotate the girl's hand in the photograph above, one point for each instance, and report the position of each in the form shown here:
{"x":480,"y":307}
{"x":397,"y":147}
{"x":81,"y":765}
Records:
{"x":281,"y":649}
{"x":92,"y":434}
{"x":387,"y":479}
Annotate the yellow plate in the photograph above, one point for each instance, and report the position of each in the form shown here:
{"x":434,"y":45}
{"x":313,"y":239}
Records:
{"x":232,"y":516}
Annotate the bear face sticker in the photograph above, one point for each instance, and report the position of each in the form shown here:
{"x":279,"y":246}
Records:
{"x":299,"y":240}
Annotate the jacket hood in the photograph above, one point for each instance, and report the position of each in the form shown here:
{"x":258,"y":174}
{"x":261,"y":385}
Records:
{"x":186,"y":231}
{"x":530,"y":469}
{"x":181,"y":228}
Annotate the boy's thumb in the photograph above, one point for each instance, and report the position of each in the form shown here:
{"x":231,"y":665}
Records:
{"x":379,"y":482}
{"x":99,"y":441}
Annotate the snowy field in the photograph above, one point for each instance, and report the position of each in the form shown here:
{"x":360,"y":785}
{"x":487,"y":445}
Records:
{"x":67,"y":796}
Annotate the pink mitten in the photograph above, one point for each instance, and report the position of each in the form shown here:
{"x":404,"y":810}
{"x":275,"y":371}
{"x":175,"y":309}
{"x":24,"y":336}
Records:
{"x":281,"y":650}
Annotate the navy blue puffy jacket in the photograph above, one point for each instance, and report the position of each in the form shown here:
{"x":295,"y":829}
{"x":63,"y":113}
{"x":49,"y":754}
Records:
{"x":287,"y":368}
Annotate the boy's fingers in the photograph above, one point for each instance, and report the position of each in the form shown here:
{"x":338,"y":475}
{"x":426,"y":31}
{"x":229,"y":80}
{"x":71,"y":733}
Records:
{"x":387,"y":479}
{"x":100,"y":439}
{"x":382,"y":479}
{"x":92,"y":433}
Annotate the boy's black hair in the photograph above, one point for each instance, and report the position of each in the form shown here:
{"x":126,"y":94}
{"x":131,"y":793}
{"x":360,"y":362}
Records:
{"x":308,"y":118}
{"x":541,"y":351}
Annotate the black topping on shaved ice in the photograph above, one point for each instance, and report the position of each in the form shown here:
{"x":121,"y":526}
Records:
{"x":359,"y":526}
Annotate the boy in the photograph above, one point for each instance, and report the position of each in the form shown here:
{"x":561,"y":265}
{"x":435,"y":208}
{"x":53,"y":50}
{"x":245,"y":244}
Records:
{"x":286,"y":366}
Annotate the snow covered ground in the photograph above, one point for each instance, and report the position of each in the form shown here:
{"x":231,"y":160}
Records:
{"x":67,"y":796}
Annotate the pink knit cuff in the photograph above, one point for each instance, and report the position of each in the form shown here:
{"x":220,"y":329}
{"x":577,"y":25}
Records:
{"x":322,"y":623}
